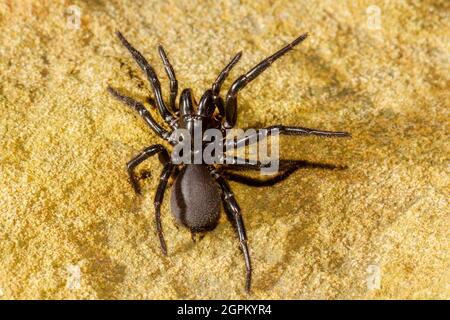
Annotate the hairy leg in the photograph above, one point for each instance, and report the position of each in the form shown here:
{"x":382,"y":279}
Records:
{"x":152,"y":78}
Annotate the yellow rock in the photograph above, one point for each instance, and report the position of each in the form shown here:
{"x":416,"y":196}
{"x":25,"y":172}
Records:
{"x":71,"y":226}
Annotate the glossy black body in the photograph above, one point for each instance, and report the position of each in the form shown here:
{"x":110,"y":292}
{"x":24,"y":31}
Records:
{"x":195,"y":198}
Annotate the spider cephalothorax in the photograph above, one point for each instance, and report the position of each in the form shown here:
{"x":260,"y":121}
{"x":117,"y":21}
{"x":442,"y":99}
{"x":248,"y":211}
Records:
{"x":199,"y":189}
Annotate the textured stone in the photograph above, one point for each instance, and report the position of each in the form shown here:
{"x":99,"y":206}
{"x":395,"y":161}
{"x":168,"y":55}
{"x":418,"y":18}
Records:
{"x":71,"y":226}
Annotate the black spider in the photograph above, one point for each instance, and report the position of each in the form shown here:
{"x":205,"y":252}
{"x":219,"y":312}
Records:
{"x":199,"y":188}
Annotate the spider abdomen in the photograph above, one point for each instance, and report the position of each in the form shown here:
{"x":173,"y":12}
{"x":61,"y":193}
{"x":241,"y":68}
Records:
{"x":195,"y":198}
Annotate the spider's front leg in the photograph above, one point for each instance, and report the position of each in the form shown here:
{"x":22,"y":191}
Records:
{"x":233,"y":211}
{"x":217,"y":85}
{"x":243,"y":80}
{"x":145,"y":154}
{"x":171,"y":75}
{"x":152,"y":78}
{"x":142,"y":111}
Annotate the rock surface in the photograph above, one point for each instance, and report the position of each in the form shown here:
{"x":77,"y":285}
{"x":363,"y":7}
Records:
{"x":71,"y":226}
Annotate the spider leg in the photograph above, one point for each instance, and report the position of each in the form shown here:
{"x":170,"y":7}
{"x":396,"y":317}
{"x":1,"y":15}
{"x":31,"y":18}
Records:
{"x":219,"y":81}
{"x":143,"y":112}
{"x":171,"y":75}
{"x":145,"y":154}
{"x":233,"y":211}
{"x":288,"y":167}
{"x":165,"y":175}
{"x":243,"y":80}
{"x":286,"y":130}
{"x":152,"y":78}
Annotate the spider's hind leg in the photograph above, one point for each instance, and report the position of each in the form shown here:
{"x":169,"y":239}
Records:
{"x":233,"y":212}
{"x":164,"y":178}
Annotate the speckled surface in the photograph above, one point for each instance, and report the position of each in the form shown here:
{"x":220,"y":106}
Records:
{"x":71,"y":226}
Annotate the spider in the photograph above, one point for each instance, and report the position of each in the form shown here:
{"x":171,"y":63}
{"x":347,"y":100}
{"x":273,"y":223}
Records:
{"x":199,"y":189}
